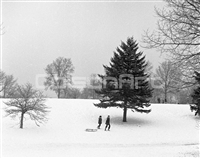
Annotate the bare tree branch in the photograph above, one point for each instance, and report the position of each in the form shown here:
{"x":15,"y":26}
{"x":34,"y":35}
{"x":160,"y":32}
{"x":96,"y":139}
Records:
{"x":178,"y":33}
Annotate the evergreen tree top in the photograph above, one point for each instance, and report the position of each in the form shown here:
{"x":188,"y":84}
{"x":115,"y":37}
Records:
{"x":127,"y":60}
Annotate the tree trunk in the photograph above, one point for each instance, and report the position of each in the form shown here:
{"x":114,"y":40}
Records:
{"x":4,"y":93}
{"x":125,"y":114}
{"x":165,"y":95}
{"x":58,"y":93}
{"x":22,"y":120}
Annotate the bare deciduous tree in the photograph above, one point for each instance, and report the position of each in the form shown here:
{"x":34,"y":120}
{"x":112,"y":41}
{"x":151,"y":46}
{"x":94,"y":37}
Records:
{"x":169,"y":77}
{"x":148,"y":68}
{"x":58,"y":74}
{"x":30,"y":102}
{"x":178,"y":34}
{"x":8,"y":85}
{"x":2,"y":78}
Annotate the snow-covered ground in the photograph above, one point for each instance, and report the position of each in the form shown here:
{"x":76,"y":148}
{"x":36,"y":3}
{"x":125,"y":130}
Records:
{"x":169,"y":130}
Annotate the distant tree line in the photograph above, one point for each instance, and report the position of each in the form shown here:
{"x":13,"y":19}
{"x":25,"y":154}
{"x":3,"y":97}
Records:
{"x":58,"y":79}
{"x":167,"y":77}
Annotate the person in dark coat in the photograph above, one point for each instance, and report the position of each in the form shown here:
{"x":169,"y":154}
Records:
{"x":99,"y":122}
{"x":107,"y":123}
{"x":198,"y":108}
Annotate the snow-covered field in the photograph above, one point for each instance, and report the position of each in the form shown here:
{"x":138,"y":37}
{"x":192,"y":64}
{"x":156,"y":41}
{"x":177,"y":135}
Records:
{"x":169,"y":130}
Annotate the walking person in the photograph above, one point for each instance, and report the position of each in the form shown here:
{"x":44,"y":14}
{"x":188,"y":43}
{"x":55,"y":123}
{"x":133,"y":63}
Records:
{"x":198,"y":108}
{"x":107,"y":123}
{"x":99,"y":122}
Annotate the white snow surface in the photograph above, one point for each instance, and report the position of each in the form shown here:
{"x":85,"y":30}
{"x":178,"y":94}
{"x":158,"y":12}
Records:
{"x":168,"y":130}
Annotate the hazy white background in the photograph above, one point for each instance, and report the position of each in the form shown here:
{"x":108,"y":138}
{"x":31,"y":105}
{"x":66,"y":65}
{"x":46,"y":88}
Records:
{"x":36,"y":33}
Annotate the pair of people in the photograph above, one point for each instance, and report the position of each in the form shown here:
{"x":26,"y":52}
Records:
{"x":107,"y":123}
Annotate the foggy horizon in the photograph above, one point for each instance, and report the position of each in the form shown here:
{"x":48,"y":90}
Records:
{"x":86,"y":32}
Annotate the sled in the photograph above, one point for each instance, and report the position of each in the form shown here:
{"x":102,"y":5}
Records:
{"x":90,"y":130}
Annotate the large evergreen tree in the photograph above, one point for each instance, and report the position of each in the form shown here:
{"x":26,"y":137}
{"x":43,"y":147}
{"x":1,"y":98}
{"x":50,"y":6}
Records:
{"x":196,"y":94}
{"x":125,"y":83}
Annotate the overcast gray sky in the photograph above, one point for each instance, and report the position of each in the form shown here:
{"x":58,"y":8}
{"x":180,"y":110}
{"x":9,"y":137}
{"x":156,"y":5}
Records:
{"x":37,"y":33}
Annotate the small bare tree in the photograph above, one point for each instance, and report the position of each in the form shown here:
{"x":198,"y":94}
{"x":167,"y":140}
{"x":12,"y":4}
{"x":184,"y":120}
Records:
{"x":169,"y":77}
{"x":2,"y":78}
{"x":30,"y":102}
{"x":149,"y":68}
{"x":8,"y":85}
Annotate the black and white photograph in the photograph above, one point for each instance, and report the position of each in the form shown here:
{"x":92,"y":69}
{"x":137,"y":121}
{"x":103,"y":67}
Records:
{"x":100,"y":78}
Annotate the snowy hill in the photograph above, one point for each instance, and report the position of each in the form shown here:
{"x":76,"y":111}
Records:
{"x":169,"y":130}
